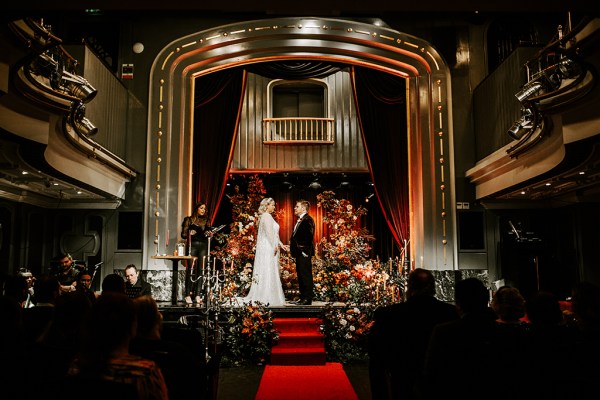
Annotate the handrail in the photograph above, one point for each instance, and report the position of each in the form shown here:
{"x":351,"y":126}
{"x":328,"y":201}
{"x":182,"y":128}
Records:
{"x":298,"y":130}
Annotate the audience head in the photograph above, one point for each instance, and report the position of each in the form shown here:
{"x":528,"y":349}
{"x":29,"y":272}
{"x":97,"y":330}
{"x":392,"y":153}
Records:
{"x":15,"y":287}
{"x":586,"y":305}
{"x":109,"y":327}
{"x":131,"y":274}
{"x":28,"y":275}
{"x":420,"y":282}
{"x":543,"y":308}
{"x":64,"y":261}
{"x":85,"y":278}
{"x":113,"y":283}
{"x":148,"y":317}
{"x":508,"y":304}
{"x":11,"y":315}
{"x":47,"y":289}
{"x":471,"y":295}
{"x":71,"y":309}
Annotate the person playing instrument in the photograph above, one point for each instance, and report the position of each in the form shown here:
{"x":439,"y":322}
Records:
{"x":67,"y":271}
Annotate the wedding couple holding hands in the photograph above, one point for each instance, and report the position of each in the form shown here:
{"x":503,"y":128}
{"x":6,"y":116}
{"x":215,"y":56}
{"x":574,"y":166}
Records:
{"x":266,"y":283}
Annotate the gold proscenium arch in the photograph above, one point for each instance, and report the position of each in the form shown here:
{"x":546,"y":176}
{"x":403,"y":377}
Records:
{"x":168,"y":179}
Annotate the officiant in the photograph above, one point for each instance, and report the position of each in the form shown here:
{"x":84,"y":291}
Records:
{"x":195,"y":230}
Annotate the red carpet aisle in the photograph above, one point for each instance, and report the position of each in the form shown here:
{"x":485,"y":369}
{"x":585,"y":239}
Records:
{"x":314,"y":382}
{"x":300,"y":342}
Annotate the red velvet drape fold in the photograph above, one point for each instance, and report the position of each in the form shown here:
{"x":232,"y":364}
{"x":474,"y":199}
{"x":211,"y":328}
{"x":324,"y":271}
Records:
{"x":218,"y":103}
{"x":381,"y":107}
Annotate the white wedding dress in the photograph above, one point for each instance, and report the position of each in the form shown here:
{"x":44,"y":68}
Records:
{"x":266,"y":282}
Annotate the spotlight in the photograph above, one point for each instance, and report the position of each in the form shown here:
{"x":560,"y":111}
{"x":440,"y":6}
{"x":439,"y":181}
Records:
{"x":85,"y":127}
{"x":530,"y":89}
{"x":80,"y":123}
{"x":79,"y":87}
{"x":314,"y":185}
{"x":523,"y":124}
{"x":568,"y":68}
{"x":369,"y":197}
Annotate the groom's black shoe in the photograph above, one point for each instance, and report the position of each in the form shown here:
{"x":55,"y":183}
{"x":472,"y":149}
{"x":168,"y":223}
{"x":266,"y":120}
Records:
{"x":304,"y":303}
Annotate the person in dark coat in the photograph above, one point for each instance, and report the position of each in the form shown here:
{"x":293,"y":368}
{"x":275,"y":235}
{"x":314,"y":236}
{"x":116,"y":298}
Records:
{"x":398,"y":340}
{"x":302,"y":248}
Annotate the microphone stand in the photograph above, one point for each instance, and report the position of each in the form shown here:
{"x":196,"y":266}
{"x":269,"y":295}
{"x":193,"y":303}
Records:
{"x":95,"y":270}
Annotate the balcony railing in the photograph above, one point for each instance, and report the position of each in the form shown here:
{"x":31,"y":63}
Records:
{"x":298,"y":130}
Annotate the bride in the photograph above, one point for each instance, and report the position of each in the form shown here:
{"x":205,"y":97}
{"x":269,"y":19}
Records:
{"x":266,"y":283}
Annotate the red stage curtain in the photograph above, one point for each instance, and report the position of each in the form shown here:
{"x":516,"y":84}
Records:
{"x":381,"y":107}
{"x":218,"y":102}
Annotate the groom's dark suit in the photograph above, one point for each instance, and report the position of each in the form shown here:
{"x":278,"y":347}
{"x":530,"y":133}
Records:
{"x":302,"y":248}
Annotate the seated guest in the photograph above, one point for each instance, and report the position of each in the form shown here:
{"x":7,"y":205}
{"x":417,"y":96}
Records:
{"x":66,"y":270}
{"x":26,"y":273}
{"x":551,"y":348}
{"x":460,"y":355}
{"x":183,"y":371}
{"x":399,"y":337}
{"x":37,"y":319}
{"x":84,"y":286}
{"x":135,"y":284}
{"x":49,"y":358}
{"x":104,"y":362}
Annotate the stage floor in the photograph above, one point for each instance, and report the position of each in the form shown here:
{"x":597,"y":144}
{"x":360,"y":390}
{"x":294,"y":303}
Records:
{"x":172,"y":312}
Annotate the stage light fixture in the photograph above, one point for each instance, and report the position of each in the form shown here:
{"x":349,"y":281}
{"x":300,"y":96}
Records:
{"x":523,"y":124}
{"x":85,"y":127}
{"x":79,"y":87}
{"x":530,"y":89}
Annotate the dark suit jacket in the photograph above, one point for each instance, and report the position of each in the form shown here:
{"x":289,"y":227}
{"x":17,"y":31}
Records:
{"x":398,"y":342}
{"x":303,"y":239}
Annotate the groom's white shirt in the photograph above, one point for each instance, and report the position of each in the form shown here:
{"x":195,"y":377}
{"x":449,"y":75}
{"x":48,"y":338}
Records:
{"x":298,"y":222}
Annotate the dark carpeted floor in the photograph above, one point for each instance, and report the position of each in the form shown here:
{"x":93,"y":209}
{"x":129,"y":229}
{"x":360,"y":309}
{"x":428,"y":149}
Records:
{"x":241,"y":383}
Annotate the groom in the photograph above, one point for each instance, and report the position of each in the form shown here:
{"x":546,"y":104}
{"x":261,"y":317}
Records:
{"x":302,"y":249}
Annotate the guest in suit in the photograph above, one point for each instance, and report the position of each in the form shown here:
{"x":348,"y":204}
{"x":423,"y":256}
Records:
{"x":461,"y":354}
{"x":302,"y":248}
{"x":135,"y":285}
{"x":398,"y":340}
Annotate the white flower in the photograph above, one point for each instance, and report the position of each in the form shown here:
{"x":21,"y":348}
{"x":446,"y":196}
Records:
{"x":356,"y":310}
{"x":348,"y":336}
{"x":352,"y":328}
{"x":343,"y":322}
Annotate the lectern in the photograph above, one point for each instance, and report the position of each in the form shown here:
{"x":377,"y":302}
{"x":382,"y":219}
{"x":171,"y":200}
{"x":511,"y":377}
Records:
{"x":175,"y":260}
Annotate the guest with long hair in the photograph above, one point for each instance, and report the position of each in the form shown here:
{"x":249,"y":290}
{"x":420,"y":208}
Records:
{"x":195,"y":229}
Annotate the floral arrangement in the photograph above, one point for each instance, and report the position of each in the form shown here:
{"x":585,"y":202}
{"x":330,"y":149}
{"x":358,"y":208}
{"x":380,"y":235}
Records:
{"x":342,"y":272}
{"x":345,"y":331}
{"x":249,"y":335}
